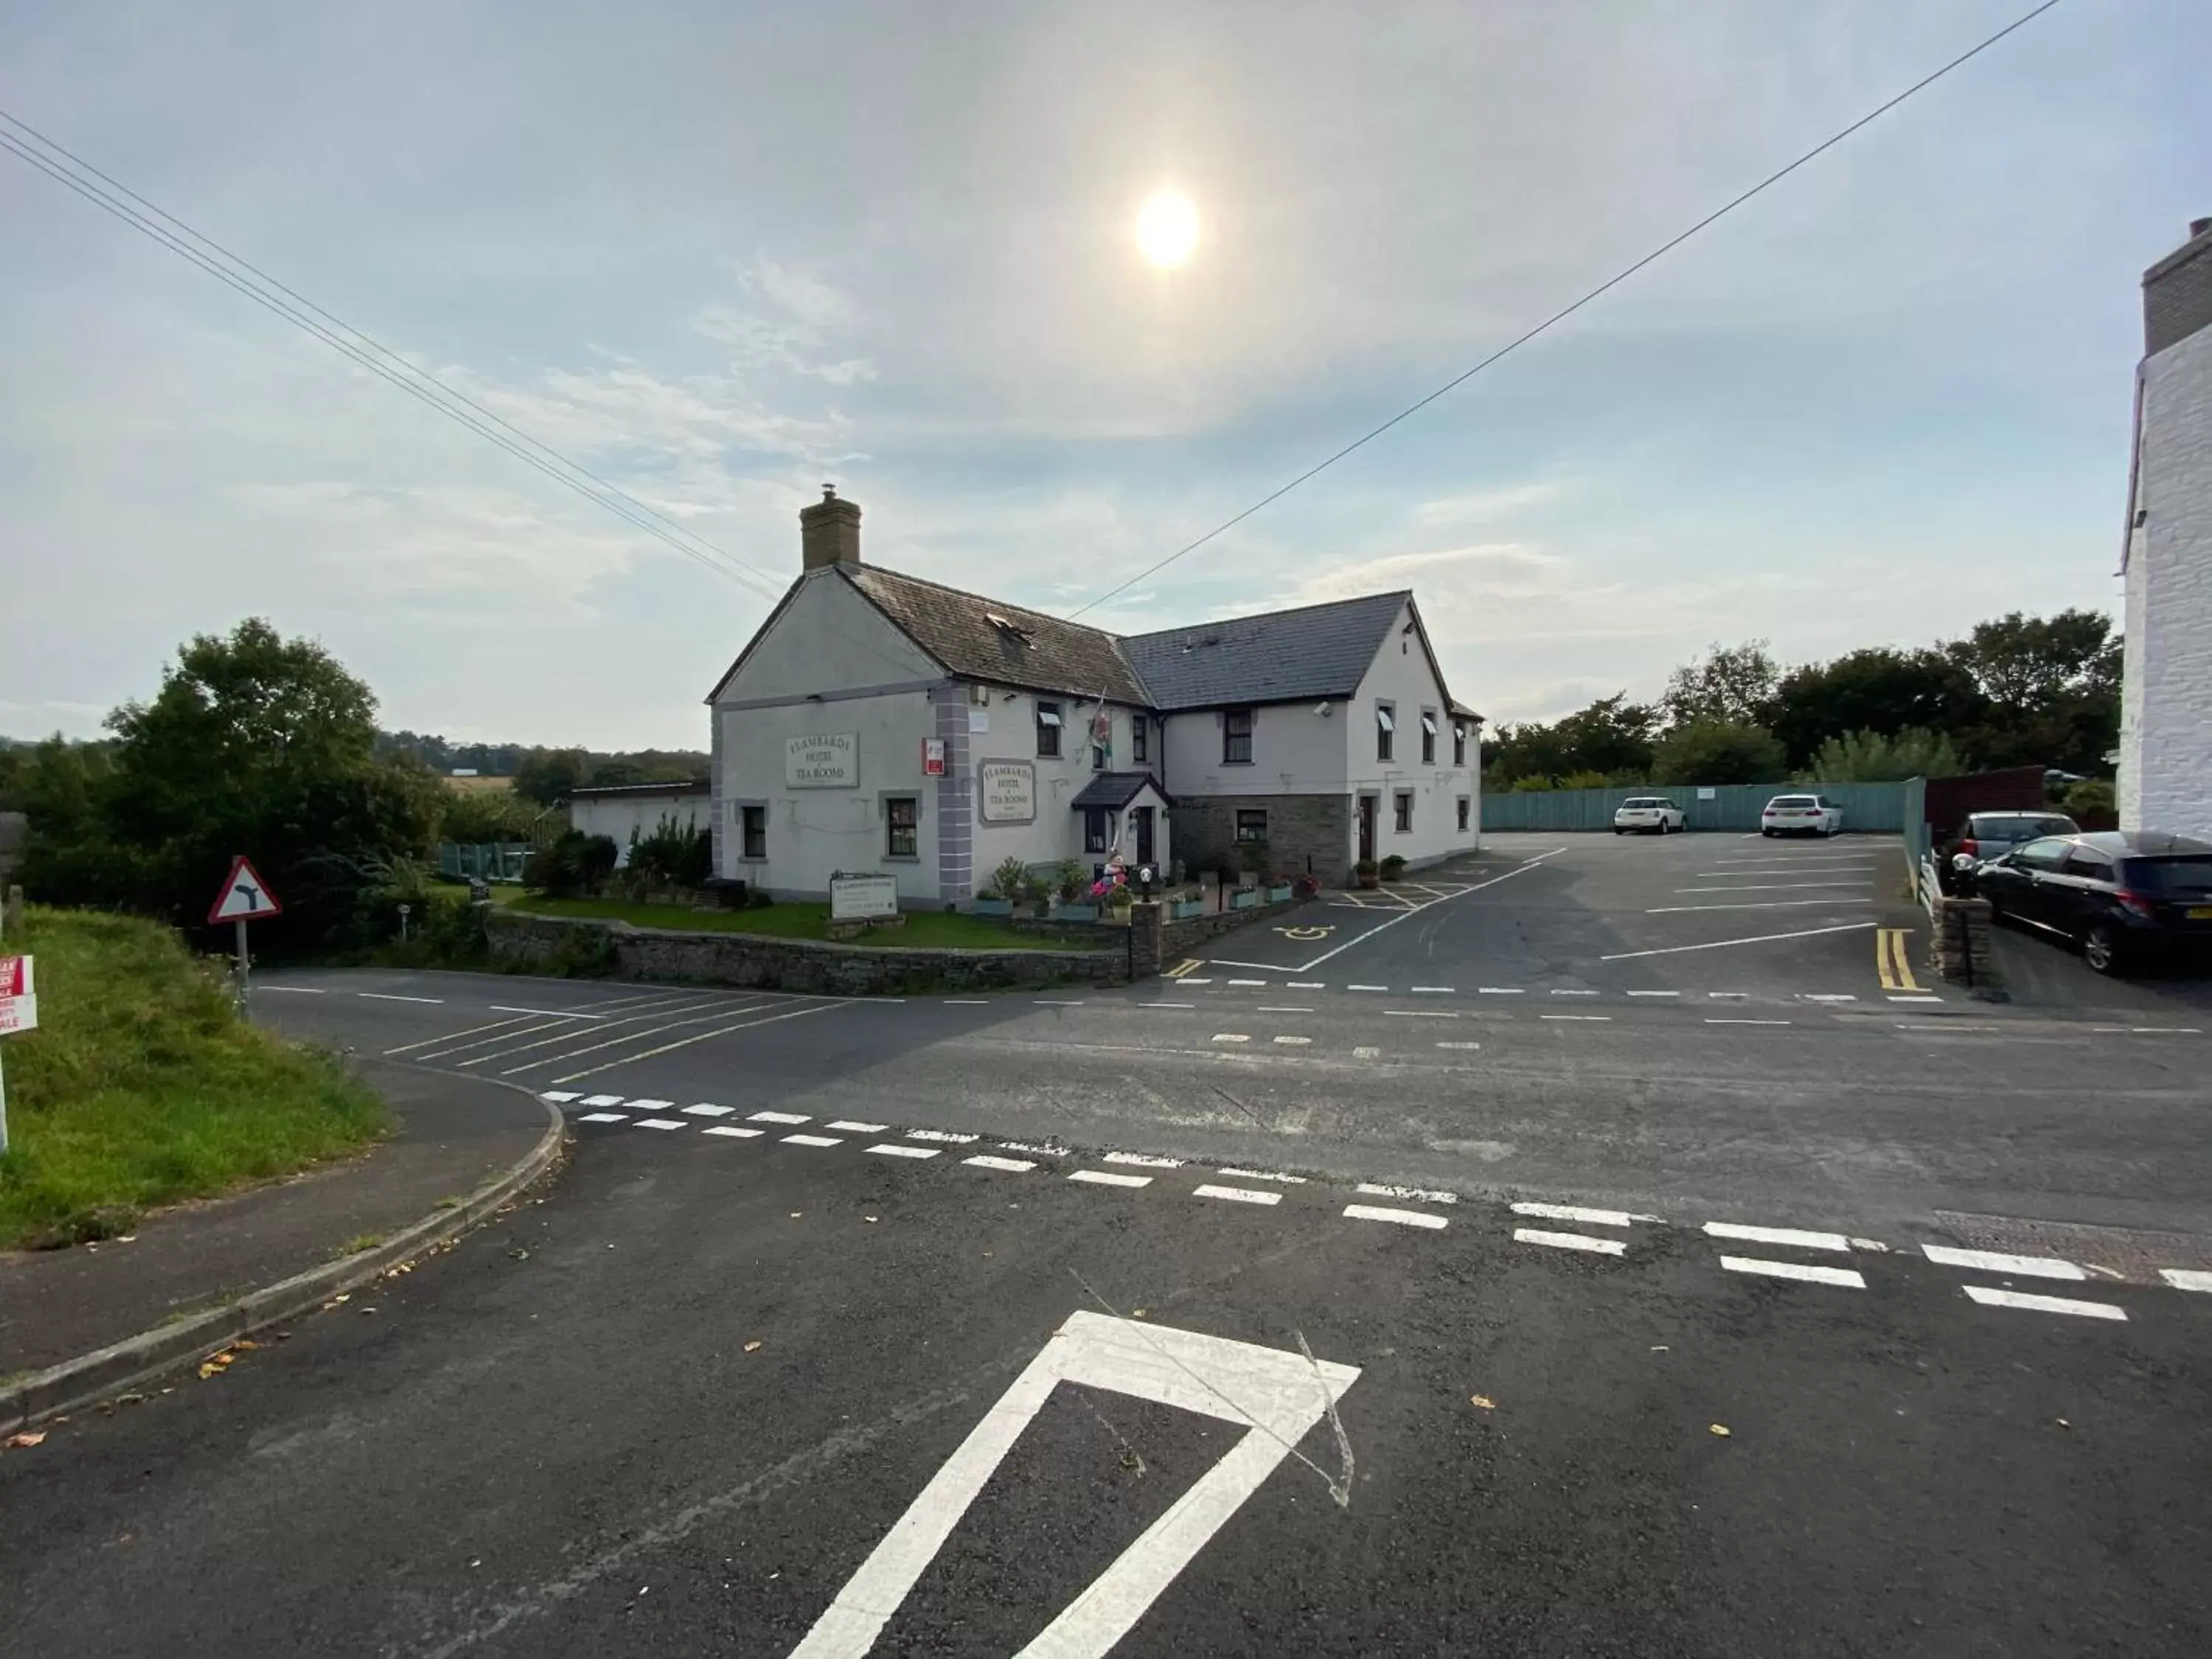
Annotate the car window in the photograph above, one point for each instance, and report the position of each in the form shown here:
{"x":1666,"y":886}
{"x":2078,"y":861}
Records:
{"x":1793,"y":801}
{"x":2045,"y":855}
{"x":2190,"y":876}
{"x":2088,"y":861}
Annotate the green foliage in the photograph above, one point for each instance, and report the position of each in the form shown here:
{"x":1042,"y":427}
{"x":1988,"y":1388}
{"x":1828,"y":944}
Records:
{"x":1880,"y":691}
{"x":2052,"y":689}
{"x":1393,"y":866}
{"x":1875,"y":758}
{"x":1253,"y":855}
{"x":1735,"y":685}
{"x":1718,"y":751}
{"x":927,"y":929}
{"x":571,"y":864}
{"x":476,"y":816}
{"x":1612,"y":737}
{"x":544,"y":776}
{"x":2090,"y":798}
{"x":674,"y":855}
{"x":1010,"y":880}
{"x":141,"y":1087}
{"x":1069,"y":882}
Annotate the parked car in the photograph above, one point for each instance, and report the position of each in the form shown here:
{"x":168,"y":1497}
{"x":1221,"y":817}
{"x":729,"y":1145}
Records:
{"x":1801,"y":815}
{"x":2123,"y":895}
{"x":1988,"y":834}
{"x":1654,"y":813}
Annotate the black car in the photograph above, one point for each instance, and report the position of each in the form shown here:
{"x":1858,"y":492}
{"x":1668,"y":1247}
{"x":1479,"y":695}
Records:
{"x":2120,"y":894}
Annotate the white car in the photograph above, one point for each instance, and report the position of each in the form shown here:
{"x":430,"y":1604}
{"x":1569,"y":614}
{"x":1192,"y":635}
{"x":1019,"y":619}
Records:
{"x":1653,"y":812}
{"x":1801,"y":815}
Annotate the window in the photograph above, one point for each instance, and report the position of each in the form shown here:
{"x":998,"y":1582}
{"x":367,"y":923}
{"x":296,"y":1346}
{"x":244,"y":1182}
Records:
{"x":1094,"y":830}
{"x":1386,"y":726}
{"x":1459,"y":743}
{"x":1236,"y":736}
{"x":754,"y":822}
{"x":1428,"y":737}
{"x":2045,"y":855}
{"x":1097,"y":757}
{"x":902,"y":814}
{"x":1405,"y":812}
{"x":1251,"y":825}
{"x":2089,"y":862}
{"x":1140,"y":748}
{"x":1463,"y":812}
{"x":1047,"y":717}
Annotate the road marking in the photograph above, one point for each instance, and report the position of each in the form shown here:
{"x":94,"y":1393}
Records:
{"x":985,"y":1161}
{"x":2182,"y":1278}
{"x":1264,"y":1174}
{"x":1790,"y":1236}
{"x":1782,"y":864}
{"x":1829,"y":996}
{"x":658,"y":1123}
{"x":1294,"y":1041}
{"x":1776,"y":887}
{"x":1265,"y":1009}
{"x":811,"y":1141}
{"x":1521,"y":869}
{"x":1145,"y":1160}
{"x":1558,"y":993}
{"x":1655,"y":993}
{"x":1722,"y":943}
{"x":734,"y":1131}
{"x":1846,"y":1277}
{"x":1403,"y":1217}
{"x":777,"y":1117}
{"x":1459,"y":1045}
{"x":1433,"y":990}
{"x":601,"y":1100}
{"x":953,"y":1137}
{"x":604,"y":1117}
{"x":389,"y":996}
{"x":1575,"y":1213}
{"x":1419,"y":1013}
{"x":1235,"y":1194}
{"x":1499,"y":991}
{"x":850,"y":1127}
{"x":1729,"y":996}
{"x":1597,"y":1018}
{"x":297,"y":990}
{"x":1167,"y":1005}
{"x":1712,"y":1020}
{"x":2058,"y":1304}
{"x":1752,"y":904}
{"x":1024,"y":1147}
{"x":650,"y":1105}
{"x":1232,"y":1036}
{"x":660,"y":1006}
{"x":1192,"y":981}
{"x":542,"y":1013}
{"x":1994,"y":1261}
{"x":1058,"y":1002}
{"x":2165,"y":1031}
{"x":680,"y":1043}
{"x":455,"y":1037}
{"x":892,"y":1149}
{"x":1373,"y":1189}
{"x":1568,"y":1241}
{"x":1366,"y":1053}
{"x":1109,"y":1178}
{"x":558,"y":1096}
{"x":1258,"y":983}
{"x":1273,"y":1396}
{"x":1367,"y":988}
{"x":1305,"y":985}
{"x":967,"y":1002}
{"x":1188,"y":965}
{"x":1921,"y":997}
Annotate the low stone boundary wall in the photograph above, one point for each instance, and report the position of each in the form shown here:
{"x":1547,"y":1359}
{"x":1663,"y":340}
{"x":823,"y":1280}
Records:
{"x":757,"y":961}
{"x":1959,"y":944}
{"x":1180,"y":937}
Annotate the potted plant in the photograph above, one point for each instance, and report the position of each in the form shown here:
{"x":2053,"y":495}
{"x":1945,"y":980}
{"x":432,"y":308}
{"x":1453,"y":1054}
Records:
{"x":1394,"y":867}
{"x":1010,"y":883}
{"x":1120,"y":901}
{"x":1070,"y":890}
{"x":1279,"y":890}
{"x":1187,"y":905}
{"x":989,"y":903}
{"x":1364,"y":870}
{"x":1306,"y":886}
{"x":1040,"y":898}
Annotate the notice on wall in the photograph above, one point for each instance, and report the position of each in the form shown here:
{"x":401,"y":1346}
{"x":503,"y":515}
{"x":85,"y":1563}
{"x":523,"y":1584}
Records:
{"x":862,"y":897}
{"x":979,"y":719}
{"x":933,"y":757}
{"x":1007,"y":790}
{"x":828,"y":760}
{"x":1707,"y":794}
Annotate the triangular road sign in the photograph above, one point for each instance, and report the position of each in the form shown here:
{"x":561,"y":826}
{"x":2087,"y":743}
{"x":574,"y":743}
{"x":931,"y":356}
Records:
{"x":245,"y":896}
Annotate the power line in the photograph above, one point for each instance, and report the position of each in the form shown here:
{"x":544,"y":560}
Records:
{"x":549,"y":461}
{"x":1559,"y":316}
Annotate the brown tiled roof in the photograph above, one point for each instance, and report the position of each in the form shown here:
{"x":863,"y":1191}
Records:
{"x":1023,"y":648}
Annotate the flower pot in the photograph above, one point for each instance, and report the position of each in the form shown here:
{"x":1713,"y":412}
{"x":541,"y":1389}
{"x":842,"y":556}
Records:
{"x":1279,"y":895}
{"x":993,"y":907}
{"x":1370,"y":880}
{"x":1075,"y":913}
{"x":1244,"y":898}
{"x":1187,"y":910}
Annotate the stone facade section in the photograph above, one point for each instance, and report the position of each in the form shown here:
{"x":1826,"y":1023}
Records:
{"x":956,"y":811}
{"x":1307,"y":835}
{"x":1960,"y":948}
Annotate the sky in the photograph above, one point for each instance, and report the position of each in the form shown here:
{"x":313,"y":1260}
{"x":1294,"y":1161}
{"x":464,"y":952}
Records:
{"x":723,"y":253}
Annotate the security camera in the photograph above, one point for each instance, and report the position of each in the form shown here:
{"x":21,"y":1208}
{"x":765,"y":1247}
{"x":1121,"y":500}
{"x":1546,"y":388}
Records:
{"x":1323,"y":709}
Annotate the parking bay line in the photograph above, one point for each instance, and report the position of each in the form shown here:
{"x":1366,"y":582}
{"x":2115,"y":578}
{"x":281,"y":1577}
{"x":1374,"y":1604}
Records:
{"x":1519,"y":869}
{"x":685,"y":1042}
{"x":1403,"y":1218}
{"x":1577,"y":1213}
{"x":1754,"y":904}
{"x":1721,"y":944}
{"x":1788,"y":1235}
{"x":1235,"y":1195}
{"x":1994,"y":1261}
{"x":1775,"y":887}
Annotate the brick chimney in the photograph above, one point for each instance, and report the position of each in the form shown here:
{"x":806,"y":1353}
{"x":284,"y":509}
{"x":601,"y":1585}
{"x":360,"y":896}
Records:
{"x":829,"y":531}
{"x":2178,"y":291}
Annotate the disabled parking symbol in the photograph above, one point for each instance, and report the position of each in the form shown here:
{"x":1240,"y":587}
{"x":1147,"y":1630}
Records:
{"x":1307,"y":934}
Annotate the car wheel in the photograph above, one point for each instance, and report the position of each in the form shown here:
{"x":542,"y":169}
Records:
{"x":1618,"y":830}
{"x":1767,"y":834}
{"x":2100,"y":949}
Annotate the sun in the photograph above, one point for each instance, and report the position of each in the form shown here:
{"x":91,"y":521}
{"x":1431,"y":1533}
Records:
{"x":1167,"y":228}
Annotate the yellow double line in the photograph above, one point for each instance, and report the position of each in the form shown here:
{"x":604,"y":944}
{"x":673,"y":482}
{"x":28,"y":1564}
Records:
{"x":1890,"y":960}
{"x":1189,"y":965}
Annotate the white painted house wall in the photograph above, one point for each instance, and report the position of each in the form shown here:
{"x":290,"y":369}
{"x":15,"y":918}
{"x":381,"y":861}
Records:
{"x":1057,"y":832}
{"x":1402,"y":675}
{"x":1295,"y":751}
{"x":619,"y":816}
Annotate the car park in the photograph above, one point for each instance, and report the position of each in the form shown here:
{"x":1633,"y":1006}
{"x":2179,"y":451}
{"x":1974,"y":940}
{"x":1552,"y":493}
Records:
{"x":1801,"y":815}
{"x":1650,"y":815}
{"x":1991,"y":834}
{"x":2125,"y":897}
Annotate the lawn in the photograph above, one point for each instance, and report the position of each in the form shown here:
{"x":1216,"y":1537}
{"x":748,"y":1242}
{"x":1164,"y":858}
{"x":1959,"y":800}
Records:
{"x":925,"y":929}
{"x":141,"y":1088}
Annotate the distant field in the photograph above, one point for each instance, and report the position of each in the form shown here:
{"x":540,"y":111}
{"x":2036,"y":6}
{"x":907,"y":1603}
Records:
{"x":479,"y":786}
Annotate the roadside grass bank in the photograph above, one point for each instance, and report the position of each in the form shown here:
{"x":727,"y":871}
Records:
{"x":141,"y":1088}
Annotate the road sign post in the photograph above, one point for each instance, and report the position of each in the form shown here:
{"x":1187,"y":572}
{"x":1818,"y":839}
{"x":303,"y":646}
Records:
{"x":244,"y":897}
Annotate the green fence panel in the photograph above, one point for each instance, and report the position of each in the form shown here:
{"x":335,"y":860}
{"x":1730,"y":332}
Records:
{"x":482,"y":861}
{"x":1882,"y":807}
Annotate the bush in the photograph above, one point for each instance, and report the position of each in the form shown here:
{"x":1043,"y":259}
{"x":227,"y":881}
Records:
{"x":1393,"y":866}
{"x":1071,"y":882}
{"x":674,"y":855}
{"x":1010,"y":880}
{"x":2091,"y":799}
{"x":1719,"y":751}
{"x":573,"y":865}
{"x":480,"y":817}
{"x":1875,"y":758}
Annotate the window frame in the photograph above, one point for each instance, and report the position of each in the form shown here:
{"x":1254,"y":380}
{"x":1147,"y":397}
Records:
{"x":1244,"y":814}
{"x":751,"y":816}
{"x":1459,"y":743}
{"x":1140,"y":748}
{"x":1050,"y":722}
{"x":1230,"y":735}
{"x":1428,"y":737}
{"x":893,"y":828}
{"x":1465,"y":811}
{"x":1401,"y":811}
{"x":1386,"y":730}
{"x":1094,"y":838}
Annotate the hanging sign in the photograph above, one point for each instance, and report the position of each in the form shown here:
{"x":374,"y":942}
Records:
{"x":933,"y":757}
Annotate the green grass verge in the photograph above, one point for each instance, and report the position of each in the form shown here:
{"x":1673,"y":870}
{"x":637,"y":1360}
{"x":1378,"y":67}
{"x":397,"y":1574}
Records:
{"x":141,"y":1088}
{"x":924,"y":929}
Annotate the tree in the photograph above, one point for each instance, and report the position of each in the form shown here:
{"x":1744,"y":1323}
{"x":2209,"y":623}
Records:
{"x":1718,"y":751}
{"x":1885,"y":757}
{"x":546,"y":775}
{"x":1612,"y":737}
{"x":1733,"y":684}
{"x":2052,"y":687}
{"x":1879,"y":690}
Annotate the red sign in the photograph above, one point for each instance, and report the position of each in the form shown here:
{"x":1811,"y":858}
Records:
{"x":19,"y":1002}
{"x":245,"y":896}
{"x":933,"y":757}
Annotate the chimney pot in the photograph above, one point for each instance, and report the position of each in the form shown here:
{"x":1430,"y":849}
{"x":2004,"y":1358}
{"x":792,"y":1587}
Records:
{"x":2198,"y":226}
{"x":829,"y":531}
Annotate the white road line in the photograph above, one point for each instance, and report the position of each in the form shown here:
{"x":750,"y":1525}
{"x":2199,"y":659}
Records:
{"x":1366,"y":1053}
{"x":1305,"y":985}
{"x":1831,"y":996}
{"x":475,"y":1031}
{"x":1568,"y":1241}
{"x":852,"y":1129}
{"x":1145,"y":1160}
{"x":1846,"y":1277}
{"x":567,"y":1033}
{"x":1790,"y":1236}
{"x":813,"y":1140}
{"x":1597,"y":1018}
{"x":1194,"y":981}
{"x":1729,"y":996}
{"x":1235,"y":1194}
{"x":1577,"y":1213}
{"x":1853,"y":864}
{"x":1403,"y":1217}
{"x":1264,"y":1174}
{"x":1995,"y":1261}
{"x":389,"y":996}
{"x":1374,"y":1189}
{"x":1721,"y":944}
{"x":1367,"y":988}
{"x":1433,"y":990}
{"x":985,"y":1161}
{"x":1774,"y":887}
{"x":2182,"y":1278}
{"x":1260,"y":984}
{"x":1288,"y":1041}
{"x":650,"y":1105}
{"x":777,"y":1117}
{"x":1024,"y":1147}
{"x":1558,"y":993}
{"x":1232,"y":1036}
{"x":670,"y":1047}
{"x":2058,"y":1304}
{"x":1712,"y":1020}
{"x":890,"y":1149}
{"x":1109,"y":1178}
{"x":1265,"y":1009}
{"x":2165,"y":1031}
{"x":1058,"y":1002}
{"x":1167,"y":1005}
{"x":1459,"y":1045}
{"x":658,"y":1123}
{"x":559,"y":1097}
{"x":706,"y":1109}
{"x":967,"y":1002}
{"x":601,"y":1100}
{"x":952,"y":1137}
{"x":297,"y":990}
{"x":1913,"y":997}
{"x":603,"y":1117}
{"x":1419,"y":1013}
{"x":543,"y":1013}
{"x":1417,"y":909}
{"x":732,"y":1130}
{"x":1655,"y":993}
{"x":1499,"y":991}
{"x":1753,"y":904}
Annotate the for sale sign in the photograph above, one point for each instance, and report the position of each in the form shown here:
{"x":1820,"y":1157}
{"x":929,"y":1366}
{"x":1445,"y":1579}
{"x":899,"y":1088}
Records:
{"x":19,"y":1001}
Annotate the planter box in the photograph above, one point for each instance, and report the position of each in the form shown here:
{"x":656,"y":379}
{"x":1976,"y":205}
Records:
{"x":1186,"y":909}
{"x":1279,"y":895}
{"x":1075,"y":913}
{"x":1244,"y":898}
{"x":995,"y":907}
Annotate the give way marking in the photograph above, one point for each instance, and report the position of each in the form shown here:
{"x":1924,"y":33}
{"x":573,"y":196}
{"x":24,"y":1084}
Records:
{"x":1275,"y":1394}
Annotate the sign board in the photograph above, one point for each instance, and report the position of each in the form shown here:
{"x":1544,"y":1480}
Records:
{"x":827,"y":760}
{"x":245,"y":896}
{"x":1708,"y":794}
{"x":933,"y":757}
{"x":19,"y":1000}
{"x":979,"y":719}
{"x":862,"y":898}
{"x":1007,"y":790}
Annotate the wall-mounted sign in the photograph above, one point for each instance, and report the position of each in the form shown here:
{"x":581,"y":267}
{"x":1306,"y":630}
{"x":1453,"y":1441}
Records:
{"x":828,"y":760}
{"x":1707,"y":794}
{"x":862,"y":898}
{"x":1007,"y":790}
{"x":979,"y":719}
{"x":933,"y":757}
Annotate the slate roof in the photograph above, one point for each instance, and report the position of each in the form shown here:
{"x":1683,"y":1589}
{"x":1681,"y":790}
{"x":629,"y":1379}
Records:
{"x":1314,"y":652}
{"x":1036,"y":652}
{"x":1116,"y":790}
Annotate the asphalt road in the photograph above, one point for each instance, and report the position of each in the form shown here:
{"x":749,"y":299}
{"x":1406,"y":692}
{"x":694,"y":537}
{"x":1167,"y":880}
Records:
{"x":984,"y":1325}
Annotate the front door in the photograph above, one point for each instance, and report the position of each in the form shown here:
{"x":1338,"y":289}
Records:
{"x":1144,"y":818}
{"x":1367,"y":807}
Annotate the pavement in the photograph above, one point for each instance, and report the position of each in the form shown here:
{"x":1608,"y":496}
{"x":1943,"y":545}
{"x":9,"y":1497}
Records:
{"x":1550,"y":1264}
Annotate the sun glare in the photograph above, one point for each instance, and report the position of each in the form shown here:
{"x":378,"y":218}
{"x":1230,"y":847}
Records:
{"x":1167,"y":228}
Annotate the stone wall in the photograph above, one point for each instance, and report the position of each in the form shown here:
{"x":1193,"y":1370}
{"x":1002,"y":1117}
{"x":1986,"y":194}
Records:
{"x":1960,"y":946}
{"x":806,"y":966}
{"x":1307,"y":835}
{"x":1180,"y":938}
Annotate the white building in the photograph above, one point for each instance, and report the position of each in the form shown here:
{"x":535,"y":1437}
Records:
{"x":879,"y":722}
{"x":625,"y":811}
{"x":2165,"y":705}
